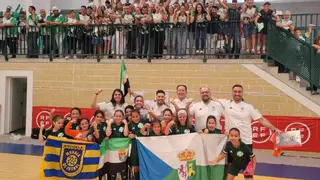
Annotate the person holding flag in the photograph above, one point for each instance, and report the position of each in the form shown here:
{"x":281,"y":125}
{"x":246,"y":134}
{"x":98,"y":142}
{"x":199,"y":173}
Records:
{"x":118,"y":96}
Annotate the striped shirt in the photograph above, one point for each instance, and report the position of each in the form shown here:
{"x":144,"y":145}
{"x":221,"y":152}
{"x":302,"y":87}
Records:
{"x":234,"y":15}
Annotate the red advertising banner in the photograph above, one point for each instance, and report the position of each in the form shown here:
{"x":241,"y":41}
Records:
{"x":308,"y":126}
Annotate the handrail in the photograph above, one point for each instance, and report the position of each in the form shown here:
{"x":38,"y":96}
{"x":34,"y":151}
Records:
{"x":294,"y":53}
{"x":70,"y":36}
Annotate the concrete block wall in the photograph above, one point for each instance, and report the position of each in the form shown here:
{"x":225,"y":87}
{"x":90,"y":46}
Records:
{"x":74,"y":84}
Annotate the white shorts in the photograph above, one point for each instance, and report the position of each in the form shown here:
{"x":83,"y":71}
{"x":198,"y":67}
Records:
{"x":107,"y":38}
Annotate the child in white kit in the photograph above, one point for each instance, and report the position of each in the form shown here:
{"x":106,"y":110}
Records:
{"x":220,"y":46}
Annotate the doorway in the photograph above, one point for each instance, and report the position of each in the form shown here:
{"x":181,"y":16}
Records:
{"x":16,"y":102}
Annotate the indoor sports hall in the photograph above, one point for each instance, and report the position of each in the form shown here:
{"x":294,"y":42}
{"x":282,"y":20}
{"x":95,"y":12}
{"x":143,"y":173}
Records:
{"x":252,"y":66}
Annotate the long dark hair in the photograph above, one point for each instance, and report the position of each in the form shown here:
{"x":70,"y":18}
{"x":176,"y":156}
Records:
{"x":235,"y":129}
{"x":99,"y":112}
{"x":202,"y":9}
{"x":113,"y":101}
{"x":77,"y":109}
{"x":211,"y":117}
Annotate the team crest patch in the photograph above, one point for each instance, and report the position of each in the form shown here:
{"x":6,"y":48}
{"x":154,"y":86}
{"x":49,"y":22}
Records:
{"x":71,"y":159}
{"x":239,"y":153}
{"x":61,"y":134}
{"x":90,"y":137}
{"x":121,"y":129}
{"x":186,"y":131}
{"x":140,"y":125}
{"x":122,"y":153}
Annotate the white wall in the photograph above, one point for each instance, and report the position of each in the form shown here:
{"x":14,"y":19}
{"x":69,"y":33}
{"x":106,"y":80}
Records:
{"x":13,"y":3}
{"x":70,"y":4}
{"x":4,"y":124}
{"x":39,"y":4}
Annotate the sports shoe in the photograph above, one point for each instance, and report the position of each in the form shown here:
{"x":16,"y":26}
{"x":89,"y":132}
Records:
{"x":258,"y":52}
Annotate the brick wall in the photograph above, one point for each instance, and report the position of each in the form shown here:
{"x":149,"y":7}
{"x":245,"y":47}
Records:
{"x":73,"y":84}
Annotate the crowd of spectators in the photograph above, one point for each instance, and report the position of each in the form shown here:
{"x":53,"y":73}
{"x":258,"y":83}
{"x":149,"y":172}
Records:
{"x":126,"y":30}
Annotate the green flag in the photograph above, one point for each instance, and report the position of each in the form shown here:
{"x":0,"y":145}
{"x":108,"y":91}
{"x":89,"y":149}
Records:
{"x":124,"y":80}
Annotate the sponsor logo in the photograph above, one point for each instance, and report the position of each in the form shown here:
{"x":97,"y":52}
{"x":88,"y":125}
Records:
{"x":43,"y":118}
{"x":260,"y":134}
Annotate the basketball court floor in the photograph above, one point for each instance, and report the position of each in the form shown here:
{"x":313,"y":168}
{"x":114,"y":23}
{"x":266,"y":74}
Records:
{"x":20,"y":160}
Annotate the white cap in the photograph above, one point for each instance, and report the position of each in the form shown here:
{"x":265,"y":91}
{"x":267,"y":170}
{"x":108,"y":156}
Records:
{"x":55,"y":8}
{"x":279,"y":13}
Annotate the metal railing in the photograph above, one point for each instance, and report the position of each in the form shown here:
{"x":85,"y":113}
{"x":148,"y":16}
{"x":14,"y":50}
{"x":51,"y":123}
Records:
{"x":208,"y":40}
{"x":294,"y":53}
{"x":303,"y":20}
{"x":150,"y":41}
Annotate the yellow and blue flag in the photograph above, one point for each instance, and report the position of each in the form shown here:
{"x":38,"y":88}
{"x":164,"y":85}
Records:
{"x":69,"y":159}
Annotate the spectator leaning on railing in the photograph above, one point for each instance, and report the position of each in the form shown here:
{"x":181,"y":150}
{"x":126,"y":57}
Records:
{"x":10,"y":33}
{"x":2,"y":38}
{"x":233,"y":15}
{"x":286,"y":22}
{"x":142,"y":29}
{"x":44,"y":32}
{"x":250,"y":12}
{"x":33,"y":33}
{"x":262,"y":20}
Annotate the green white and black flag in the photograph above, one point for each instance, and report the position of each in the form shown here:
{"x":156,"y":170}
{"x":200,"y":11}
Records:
{"x":124,"y":80}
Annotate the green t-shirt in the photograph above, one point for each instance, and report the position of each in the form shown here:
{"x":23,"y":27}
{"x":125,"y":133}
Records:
{"x":153,"y":134}
{"x":241,"y":155}
{"x":102,"y":131}
{"x":135,"y":128}
{"x":75,"y":126}
{"x":303,"y":37}
{"x":11,"y":31}
{"x":179,"y":129}
{"x":78,"y":16}
{"x":50,"y":132}
{"x":117,"y":131}
{"x":59,"y":18}
{"x":33,"y":25}
{"x":216,"y":131}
